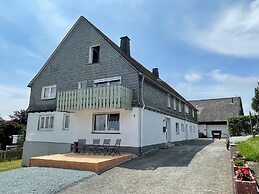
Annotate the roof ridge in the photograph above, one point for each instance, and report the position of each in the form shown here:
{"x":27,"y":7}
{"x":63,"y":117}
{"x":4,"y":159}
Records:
{"x":223,"y":98}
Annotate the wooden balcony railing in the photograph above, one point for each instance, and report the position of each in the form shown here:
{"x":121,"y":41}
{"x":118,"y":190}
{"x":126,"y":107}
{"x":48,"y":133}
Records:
{"x":118,"y":97}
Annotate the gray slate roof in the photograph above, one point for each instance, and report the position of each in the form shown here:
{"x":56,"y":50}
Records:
{"x":220,"y":109}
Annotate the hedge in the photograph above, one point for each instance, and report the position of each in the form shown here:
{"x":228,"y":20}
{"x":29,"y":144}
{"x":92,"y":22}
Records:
{"x":240,"y":125}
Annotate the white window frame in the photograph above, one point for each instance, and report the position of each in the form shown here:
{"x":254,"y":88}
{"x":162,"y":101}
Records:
{"x":80,"y":84}
{"x":174,"y":103}
{"x":168,"y":101}
{"x":177,"y":128}
{"x":91,"y":53}
{"x":44,"y":128}
{"x":66,"y":115}
{"x":108,"y":80}
{"x":180,"y":106}
{"x":50,"y":88}
{"x":106,"y":130}
{"x":182,"y":127}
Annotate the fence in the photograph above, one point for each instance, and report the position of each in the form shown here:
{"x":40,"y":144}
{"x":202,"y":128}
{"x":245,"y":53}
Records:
{"x":10,"y":155}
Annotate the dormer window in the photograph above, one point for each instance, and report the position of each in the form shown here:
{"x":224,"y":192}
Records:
{"x":186,"y":109}
{"x":174,"y":103}
{"x":168,"y":101}
{"x":94,"y":54}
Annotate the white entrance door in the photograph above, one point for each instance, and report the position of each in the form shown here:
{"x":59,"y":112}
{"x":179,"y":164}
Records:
{"x":168,"y":129}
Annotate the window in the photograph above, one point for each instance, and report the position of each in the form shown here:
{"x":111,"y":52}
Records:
{"x":180,"y":106}
{"x":168,"y":101}
{"x":48,"y":92}
{"x":107,"y":122}
{"x":66,"y":121}
{"x":174,"y":103}
{"x":107,"y":82}
{"x":94,"y":54}
{"x":82,"y":85}
{"x":113,"y":122}
{"x":186,"y":109}
{"x":182,"y":127}
{"x":46,"y":122}
{"x":177,"y":128}
{"x":193,"y":113}
{"x":190,"y":128}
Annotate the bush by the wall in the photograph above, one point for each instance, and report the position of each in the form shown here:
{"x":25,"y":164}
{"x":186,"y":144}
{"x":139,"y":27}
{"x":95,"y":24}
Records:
{"x":240,"y":125}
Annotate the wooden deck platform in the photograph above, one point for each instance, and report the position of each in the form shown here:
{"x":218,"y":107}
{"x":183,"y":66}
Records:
{"x":95,"y":163}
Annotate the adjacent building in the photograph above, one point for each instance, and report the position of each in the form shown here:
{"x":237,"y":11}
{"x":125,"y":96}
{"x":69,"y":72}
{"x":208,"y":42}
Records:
{"x":91,"y":88}
{"x":214,"y":113}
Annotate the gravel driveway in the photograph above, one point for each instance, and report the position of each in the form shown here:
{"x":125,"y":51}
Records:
{"x":199,"y":166}
{"x":39,"y":180}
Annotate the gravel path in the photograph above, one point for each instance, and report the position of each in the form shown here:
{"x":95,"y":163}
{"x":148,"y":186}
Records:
{"x":199,"y":166}
{"x":39,"y":180}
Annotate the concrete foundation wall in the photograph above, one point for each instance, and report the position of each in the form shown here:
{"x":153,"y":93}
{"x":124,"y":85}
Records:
{"x":32,"y":148}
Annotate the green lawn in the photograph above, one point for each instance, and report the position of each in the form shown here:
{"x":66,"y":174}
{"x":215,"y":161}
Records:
{"x":9,"y":165}
{"x":249,"y":148}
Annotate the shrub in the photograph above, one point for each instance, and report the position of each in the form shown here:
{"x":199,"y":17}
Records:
{"x":240,"y":125}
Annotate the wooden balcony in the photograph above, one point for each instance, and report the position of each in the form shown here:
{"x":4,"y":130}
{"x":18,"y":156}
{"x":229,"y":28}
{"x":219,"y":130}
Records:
{"x":118,"y":97}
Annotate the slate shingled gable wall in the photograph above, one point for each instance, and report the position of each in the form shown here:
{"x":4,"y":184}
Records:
{"x":70,"y":65}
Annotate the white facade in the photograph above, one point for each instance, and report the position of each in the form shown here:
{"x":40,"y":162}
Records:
{"x":207,"y":128}
{"x":153,"y":129}
{"x":81,"y":127}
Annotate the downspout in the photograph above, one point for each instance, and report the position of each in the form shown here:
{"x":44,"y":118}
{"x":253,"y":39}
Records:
{"x":142,"y":115}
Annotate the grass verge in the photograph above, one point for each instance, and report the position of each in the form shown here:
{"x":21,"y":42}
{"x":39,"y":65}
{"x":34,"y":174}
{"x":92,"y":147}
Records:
{"x":9,"y":165}
{"x":249,"y":148}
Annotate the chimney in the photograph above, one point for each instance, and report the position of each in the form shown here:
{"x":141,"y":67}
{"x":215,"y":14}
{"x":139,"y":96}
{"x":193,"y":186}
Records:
{"x":155,"y":72}
{"x":125,"y":45}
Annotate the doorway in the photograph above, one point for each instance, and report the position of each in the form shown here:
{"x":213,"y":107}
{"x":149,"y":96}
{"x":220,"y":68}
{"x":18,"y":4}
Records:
{"x":168,"y":129}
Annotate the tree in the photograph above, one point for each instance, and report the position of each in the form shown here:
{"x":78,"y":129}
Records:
{"x":255,"y":100}
{"x":20,"y":116}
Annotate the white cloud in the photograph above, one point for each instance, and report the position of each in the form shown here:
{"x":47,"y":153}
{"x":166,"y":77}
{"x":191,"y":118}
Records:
{"x":217,"y":84}
{"x":234,"y":32}
{"x":217,"y":75}
{"x":12,"y":98}
{"x":192,"y":77}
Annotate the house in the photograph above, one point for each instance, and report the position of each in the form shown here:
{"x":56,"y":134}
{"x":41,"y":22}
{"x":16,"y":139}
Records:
{"x":91,"y":88}
{"x":214,"y":113}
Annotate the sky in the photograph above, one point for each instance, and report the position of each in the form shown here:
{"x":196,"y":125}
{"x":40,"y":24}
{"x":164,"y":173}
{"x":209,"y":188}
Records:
{"x":203,"y":49}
